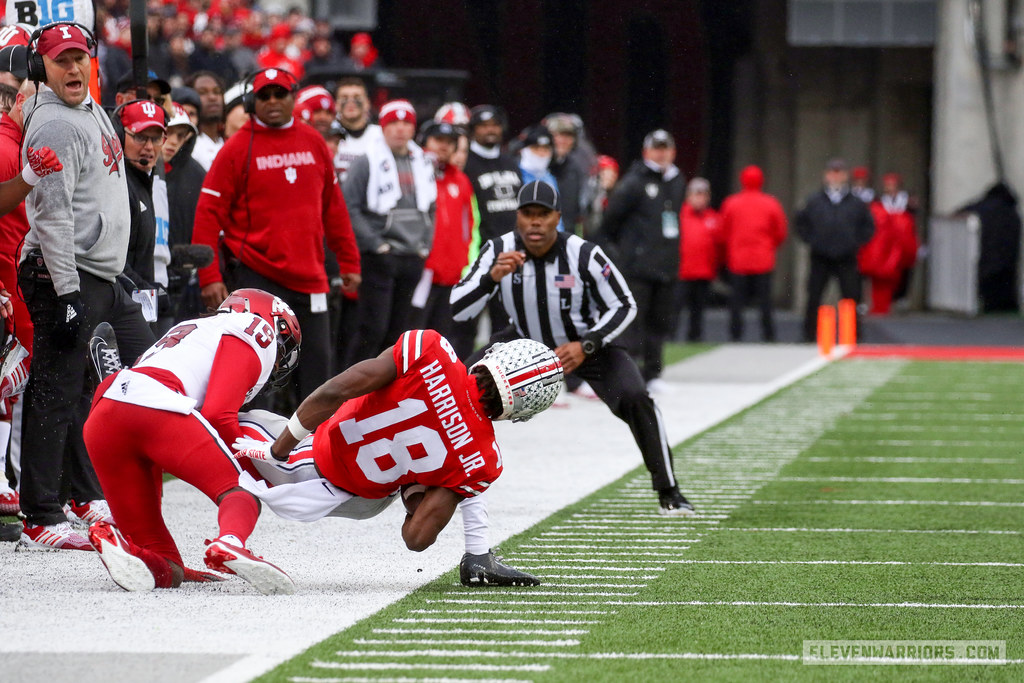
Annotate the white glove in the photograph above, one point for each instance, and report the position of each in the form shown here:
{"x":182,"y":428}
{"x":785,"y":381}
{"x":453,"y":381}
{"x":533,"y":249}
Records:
{"x":254,"y":449}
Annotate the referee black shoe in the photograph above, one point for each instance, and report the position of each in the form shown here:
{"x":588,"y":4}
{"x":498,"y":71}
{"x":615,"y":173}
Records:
{"x":103,"y":351}
{"x":488,"y":570}
{"x":671,"y":502}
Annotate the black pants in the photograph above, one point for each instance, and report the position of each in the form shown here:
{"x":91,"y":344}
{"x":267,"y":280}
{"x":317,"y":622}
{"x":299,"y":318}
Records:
{"x":385,"y":302}
{"x":436,"y":314}
{"x":822,"y":270}
{"x":744,"y":288}
{"x":343,"y":313}
{"x":616,"y":380}
{"x":693,"y":297}
{"x":315,"y":358}
{"x":655,"y":317}
{"x":54,"y":461}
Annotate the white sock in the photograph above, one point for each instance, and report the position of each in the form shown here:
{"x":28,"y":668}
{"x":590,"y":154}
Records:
{"x":474,"y":524}
{"x":231,"y":539}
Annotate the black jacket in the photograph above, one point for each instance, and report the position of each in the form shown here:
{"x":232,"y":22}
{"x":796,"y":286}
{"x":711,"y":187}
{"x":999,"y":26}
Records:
{"x":184,"y":181}
{"x":142,"y":238}
{"x":570,"y":177}
{"x":836,"y":231}
{"x":642,"y":241}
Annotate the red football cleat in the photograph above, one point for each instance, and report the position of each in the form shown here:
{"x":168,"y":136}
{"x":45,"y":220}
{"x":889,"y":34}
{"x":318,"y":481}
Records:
{"x":126,"y":569}
{"x":224,"y":557}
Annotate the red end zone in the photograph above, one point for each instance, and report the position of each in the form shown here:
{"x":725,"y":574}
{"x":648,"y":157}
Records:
{"x":940,"y":353}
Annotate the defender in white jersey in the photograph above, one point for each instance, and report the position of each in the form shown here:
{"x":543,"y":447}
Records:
{"x":173,"y":412}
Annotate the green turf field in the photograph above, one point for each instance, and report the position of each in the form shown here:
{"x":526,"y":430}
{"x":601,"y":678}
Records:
{"x":874,"y":500}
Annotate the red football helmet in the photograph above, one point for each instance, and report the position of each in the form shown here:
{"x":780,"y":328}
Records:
{"x":279,"y":314}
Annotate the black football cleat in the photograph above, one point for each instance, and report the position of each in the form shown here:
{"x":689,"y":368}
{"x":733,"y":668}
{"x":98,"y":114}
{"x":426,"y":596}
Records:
{"x":103,"y":351}
{"x":488,"y":570}
{"x":671,"y":502}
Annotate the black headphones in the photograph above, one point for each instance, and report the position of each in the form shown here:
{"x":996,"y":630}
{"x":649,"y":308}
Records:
{"x":249,"y":95}
{"x":36,"y":68}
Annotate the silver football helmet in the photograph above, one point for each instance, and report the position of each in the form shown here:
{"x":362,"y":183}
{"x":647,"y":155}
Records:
{"x":528,"y":376}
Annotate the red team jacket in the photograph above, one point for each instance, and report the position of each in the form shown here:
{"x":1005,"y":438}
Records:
{"x":279,"y":205}
{"x":425,"y":428}
{"x":453,"y":227}
{"x":700,"y":243}
{"x":893,"y":247}
{"x":754,"y":225}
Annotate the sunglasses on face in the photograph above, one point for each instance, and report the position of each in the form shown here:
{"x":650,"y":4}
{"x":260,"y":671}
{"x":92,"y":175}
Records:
{"x":276,"y":93}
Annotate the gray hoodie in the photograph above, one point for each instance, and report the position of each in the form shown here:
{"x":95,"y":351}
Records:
{"x":79,"y":217}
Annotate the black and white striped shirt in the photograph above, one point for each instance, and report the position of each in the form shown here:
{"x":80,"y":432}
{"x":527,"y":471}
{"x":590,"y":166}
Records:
{"x":571,"y":293}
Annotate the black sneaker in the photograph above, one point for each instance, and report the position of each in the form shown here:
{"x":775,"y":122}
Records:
{"x":673,"y":503}
{"x":488,"y":570}
{"x":10,"y":532}
{"x":103,"y":351}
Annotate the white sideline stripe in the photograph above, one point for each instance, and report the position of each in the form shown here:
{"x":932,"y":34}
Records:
{"x":619,"y":542}
{"x":450,"y":610}
{"x":486,"y":631}
{"x":618,"y":534}
{"x":460,"y":620}
{"x":605,"y":554}
{"x":955,"y":503}
{"x":535,"y":593}
{"x":499,"y":600}
{"x":757,"y":603}
{"x":544,"y":556}
{"x":633,"y":524}
{"x":599,"y":585}
{"x":936,"y":443}
{"x":860,"y":562}
{"x":903,"y":480}
{"x":1006,"y":532}
{"x":568,"y":642}
{"x":913,"y":460}
{"x":649,"y":577}
{"x":564,"y":655}
{"x":384,"y":666}
{"x":534,"y":565}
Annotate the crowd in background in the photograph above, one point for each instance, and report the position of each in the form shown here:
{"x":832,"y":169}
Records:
{"x":362,"y":255}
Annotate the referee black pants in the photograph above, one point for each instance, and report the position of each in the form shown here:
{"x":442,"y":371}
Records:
{"x":615,"y":378}
{"x":54,"y":463}
{"x":315,"y":357}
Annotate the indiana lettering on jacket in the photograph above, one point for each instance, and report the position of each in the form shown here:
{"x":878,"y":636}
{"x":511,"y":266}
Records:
{"x":269,"y":161}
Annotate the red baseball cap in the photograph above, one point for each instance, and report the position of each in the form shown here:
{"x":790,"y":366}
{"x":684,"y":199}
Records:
{"x":397,"y":110}
{"x":279,"y":77}
{"x":56,"y":39}
{"x":311,"y":99}
{"x":143,"y":114}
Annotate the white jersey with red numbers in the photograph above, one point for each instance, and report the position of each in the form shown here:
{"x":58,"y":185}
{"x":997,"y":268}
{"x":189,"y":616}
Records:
{"x":426,"y":427}
{"x":187,"y":351}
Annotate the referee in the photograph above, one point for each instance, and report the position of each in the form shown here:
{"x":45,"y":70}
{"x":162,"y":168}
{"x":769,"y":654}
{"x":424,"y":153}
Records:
{"x":562,"y":290}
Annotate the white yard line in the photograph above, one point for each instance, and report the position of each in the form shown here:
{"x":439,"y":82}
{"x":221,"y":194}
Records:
{"x":953,"y":503}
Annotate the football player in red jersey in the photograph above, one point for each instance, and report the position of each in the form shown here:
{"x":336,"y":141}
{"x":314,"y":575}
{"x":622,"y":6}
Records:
{"x":412,"y":419}
{"x":173,"y":412}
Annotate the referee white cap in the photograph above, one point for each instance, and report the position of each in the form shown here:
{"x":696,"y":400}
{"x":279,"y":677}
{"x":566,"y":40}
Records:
{"x":539,"y":192}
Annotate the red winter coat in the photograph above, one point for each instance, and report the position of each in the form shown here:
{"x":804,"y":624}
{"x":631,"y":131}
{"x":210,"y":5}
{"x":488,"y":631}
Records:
{"x":700,"y":243}
{"x":274,"y":191}
{"x":754,"y":225}
{"x":453,"y":227}
{"x":882,"y":257}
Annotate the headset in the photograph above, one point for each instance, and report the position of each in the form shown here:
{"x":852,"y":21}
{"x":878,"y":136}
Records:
{"x":115,"y":121}
{"x":36,"y":67}
{"x":249,"y":95}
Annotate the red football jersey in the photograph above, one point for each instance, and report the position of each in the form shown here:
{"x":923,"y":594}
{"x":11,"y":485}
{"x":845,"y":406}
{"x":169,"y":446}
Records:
{"x":424,"y":428}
